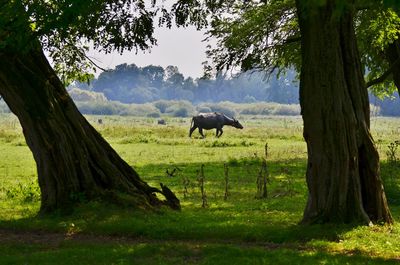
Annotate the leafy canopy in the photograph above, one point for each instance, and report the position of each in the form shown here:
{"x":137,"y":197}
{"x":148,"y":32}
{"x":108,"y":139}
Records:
{"x":65,"y":28}
{"x":251,"y":34}
{"x":265,"y":35}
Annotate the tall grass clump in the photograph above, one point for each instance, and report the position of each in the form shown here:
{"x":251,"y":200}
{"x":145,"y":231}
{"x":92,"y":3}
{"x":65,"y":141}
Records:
{"x":25,"y":192}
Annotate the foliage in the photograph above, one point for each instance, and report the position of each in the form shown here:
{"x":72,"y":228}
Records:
{"x":265,"y":35}
{"x":28,"y":192}
{"x":180,"y":109}
{"x":133,"y":84}
{"x":378,"y":27}
{"x":283,"y":89}
{"x":257,"y":35}
{"x":65,"y":28}
{"x":85,"y":95}
{"x":222,"y":107}
{"x":392,"y":152}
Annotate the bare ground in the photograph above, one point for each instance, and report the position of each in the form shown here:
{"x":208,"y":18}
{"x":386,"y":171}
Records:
{"x":55,"y":239}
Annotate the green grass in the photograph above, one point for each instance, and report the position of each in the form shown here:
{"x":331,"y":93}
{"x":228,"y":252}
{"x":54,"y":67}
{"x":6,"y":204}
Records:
{"x":174,"y":253}
{"x":240,"y":230}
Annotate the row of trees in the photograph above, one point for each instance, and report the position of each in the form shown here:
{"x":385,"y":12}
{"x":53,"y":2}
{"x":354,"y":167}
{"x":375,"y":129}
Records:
{"x":133,"y":84}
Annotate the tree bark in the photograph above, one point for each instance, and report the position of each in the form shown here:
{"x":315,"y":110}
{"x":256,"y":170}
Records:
{"x":74,"y":162}
{"x":343,"y":175}
{"x":392,"y":54}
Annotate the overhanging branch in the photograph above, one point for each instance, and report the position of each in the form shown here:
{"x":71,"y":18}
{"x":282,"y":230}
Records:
{"x":292,"y":39}
{"x":91,"y":61}
{"x":385,"y":75}
{"x":82,"y":53}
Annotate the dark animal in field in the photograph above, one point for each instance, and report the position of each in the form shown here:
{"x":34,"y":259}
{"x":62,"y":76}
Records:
{"x":210,"y":121}
{"x":161,"y":122}
{"x":100,"y":121}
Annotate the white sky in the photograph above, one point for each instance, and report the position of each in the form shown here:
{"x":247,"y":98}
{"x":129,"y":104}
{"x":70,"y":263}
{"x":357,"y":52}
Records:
{"x":181,"y":47}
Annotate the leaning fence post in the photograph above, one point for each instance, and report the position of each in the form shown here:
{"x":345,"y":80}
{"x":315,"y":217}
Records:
{"x":226,"y":171}
{"x":262,"y":177}
{"x":201,"y":182}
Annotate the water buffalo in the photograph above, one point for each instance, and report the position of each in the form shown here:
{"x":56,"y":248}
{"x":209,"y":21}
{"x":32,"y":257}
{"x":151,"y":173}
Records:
{"x":212,"y":121}
{"x":161,"y":122}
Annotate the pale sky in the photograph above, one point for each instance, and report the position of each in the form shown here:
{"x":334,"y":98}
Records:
{"x":181,"y":47}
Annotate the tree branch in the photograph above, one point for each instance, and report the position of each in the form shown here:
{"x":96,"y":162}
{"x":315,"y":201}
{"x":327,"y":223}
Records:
{"x":91,"y":61}
{"x":385,"y":75}
{"x":82,"y":53}
{"x":292,"y":39}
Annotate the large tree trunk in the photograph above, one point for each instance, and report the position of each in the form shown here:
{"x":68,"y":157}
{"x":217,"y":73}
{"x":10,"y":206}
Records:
{"x":73,"y":160}
{"x":392,"y":54}
{"x":343,"y":164}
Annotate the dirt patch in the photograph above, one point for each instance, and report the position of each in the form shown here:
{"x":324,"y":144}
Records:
{"x":55,"y":239}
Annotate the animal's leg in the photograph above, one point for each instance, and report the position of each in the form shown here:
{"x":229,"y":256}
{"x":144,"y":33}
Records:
{"x":192,"y":130}
{"x":201,"y":132}
{"x":216,"y":133}
{"x":220,"y":132}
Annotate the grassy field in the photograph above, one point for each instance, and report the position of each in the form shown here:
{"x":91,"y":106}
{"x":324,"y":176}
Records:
{"x":241,"y":229}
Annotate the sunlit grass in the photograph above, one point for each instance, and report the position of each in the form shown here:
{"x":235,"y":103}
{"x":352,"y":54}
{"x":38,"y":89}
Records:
{"x":239,"y":230}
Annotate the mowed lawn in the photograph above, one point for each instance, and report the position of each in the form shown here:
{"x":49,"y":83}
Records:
{"x":238,"y":229}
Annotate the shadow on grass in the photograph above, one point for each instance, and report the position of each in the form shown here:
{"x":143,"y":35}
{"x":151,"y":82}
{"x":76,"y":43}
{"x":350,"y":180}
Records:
{"x":241,"y":219}
{"x":173,"y":253}
{"x":391,"y":179}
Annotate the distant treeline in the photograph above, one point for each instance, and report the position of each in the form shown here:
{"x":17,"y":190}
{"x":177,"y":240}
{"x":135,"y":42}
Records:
{"x":154,"y":91}
{"x":184,"y":108}
{"x":132,"y":84}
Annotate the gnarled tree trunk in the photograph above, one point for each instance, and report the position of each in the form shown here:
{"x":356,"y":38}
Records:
{"x":392,"y":54}
{"x":343,"y":164}
{"x":73,"y":159}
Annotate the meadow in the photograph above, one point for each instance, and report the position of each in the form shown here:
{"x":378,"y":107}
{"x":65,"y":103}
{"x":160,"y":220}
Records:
{"x":236,"y":226}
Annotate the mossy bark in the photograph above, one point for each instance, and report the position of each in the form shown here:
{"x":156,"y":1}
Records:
{"x":73,"y":160}
{"x":392,"y":54}
{"x":343,"y":174}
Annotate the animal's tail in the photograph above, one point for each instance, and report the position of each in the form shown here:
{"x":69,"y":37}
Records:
{"x":191,"y":126}
{"x":191,"y":123}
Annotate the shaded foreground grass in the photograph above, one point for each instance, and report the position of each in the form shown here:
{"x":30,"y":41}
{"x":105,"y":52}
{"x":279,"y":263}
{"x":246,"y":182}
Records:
{"x":71,"y":252}
{"x":239,"y":230}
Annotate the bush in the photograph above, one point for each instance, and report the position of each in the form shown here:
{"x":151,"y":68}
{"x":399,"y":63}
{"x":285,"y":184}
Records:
{"x":180,"y":109}
{"x":85,"y":95}
{"x":184,"y":108}
{"x":226,"y":108}
{"x":140,"y":110}
{"x":289,"y":109}
{"x":99,"y":108}
{"x":162,"y":105}
{"x":153,"y":114}
{"x":270,"y":108}
{"x":181,"y":112}
{"x":203,"y":109}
